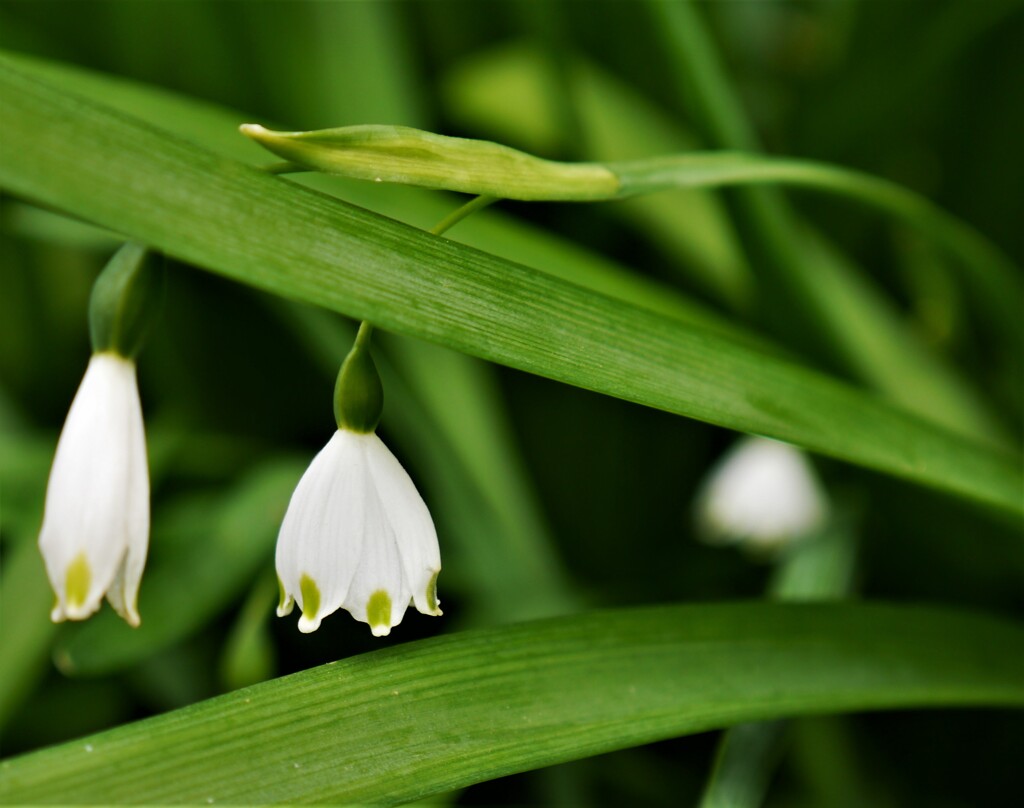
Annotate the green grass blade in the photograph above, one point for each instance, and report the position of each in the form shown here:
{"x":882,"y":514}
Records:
{"x":287,"y":240}
{"x":429,"y":716}
{"x":747,"y":758}
{"x":993,"y":271}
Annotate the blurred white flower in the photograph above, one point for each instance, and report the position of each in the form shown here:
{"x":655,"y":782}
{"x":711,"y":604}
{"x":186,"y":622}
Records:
{"x":763,"y":494}
{"x":95,"y":532}
{"x":357,"y":536}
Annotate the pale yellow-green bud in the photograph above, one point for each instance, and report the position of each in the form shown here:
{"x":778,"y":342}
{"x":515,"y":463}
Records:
{"x":414,"y":157}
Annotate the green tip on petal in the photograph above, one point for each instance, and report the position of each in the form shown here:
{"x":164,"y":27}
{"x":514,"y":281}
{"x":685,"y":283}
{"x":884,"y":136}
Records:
{"x":310,"y":594}
{"x":378,"y":613}
{"x":432,"y":602}
{"x":285,"y":602}
{"x":76,"y":584}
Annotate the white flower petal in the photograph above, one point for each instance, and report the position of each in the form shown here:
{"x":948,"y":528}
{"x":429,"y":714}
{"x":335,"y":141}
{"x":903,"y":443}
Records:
{"x":97,"y":491}
{"x":124,"y":591}
{"x":380,"y":593}
{"x":412,"y":526}
{"x":762,"y":492}
{"x":321,"y":538}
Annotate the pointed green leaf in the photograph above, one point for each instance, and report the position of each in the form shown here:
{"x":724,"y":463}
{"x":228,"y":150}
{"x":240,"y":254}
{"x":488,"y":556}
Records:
{"x":288,"y":240}
{"x":430,"y":716}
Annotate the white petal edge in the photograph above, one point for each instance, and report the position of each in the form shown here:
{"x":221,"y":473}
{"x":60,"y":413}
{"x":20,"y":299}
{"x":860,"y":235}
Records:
{"x":123,"y":593}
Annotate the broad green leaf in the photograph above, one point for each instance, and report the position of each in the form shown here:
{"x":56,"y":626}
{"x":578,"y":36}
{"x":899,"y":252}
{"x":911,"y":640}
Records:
{"x":214,"y":128}
{"x":290,"y":241}
{"x":429,"y":716}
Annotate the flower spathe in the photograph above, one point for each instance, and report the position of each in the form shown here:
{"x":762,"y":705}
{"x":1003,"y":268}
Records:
{"x":95,"y":531}
{"x":763,"y":493}
{"x":357,"y":536}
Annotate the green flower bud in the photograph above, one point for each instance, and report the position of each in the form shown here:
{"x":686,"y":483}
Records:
{"x":358,"y":394}
{"x":414,"y":157}
{"x":125,"y":299}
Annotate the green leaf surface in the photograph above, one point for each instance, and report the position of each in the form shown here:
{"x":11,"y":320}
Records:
{"x":215,"y":128}
{"x":290,"y":241}
{"x":429,"y":716}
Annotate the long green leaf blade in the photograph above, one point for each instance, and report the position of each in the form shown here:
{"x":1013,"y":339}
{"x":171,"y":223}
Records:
{"x":294,"y":242}
{"x":429,"y":716}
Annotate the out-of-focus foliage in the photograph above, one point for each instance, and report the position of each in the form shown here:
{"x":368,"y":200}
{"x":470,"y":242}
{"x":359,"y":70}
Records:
{"x":548,"y":499}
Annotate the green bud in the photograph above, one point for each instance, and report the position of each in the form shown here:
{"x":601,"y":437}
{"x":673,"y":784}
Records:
{"x":125,"y":299}
{"x":358,"y":394}
{"x":414,"y":157}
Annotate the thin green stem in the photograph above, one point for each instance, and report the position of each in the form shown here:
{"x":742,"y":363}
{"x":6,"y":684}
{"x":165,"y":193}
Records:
{"x":364,"y":334}
{"x":457,"y":215}
{"x":721,"y":169}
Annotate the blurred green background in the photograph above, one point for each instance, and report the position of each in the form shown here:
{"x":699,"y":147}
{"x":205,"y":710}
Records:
{"x":548,"y":499}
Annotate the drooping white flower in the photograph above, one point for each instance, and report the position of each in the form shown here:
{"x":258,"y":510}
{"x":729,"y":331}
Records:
{"x":357,"y":536}
{"x":95,"y":531}
{"x":762,"y":493}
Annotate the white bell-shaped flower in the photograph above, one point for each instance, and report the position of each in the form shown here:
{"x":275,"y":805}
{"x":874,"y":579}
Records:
{"x":357,"y":536}
{"x":763,"y":494}
{"x":95,"y":532}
